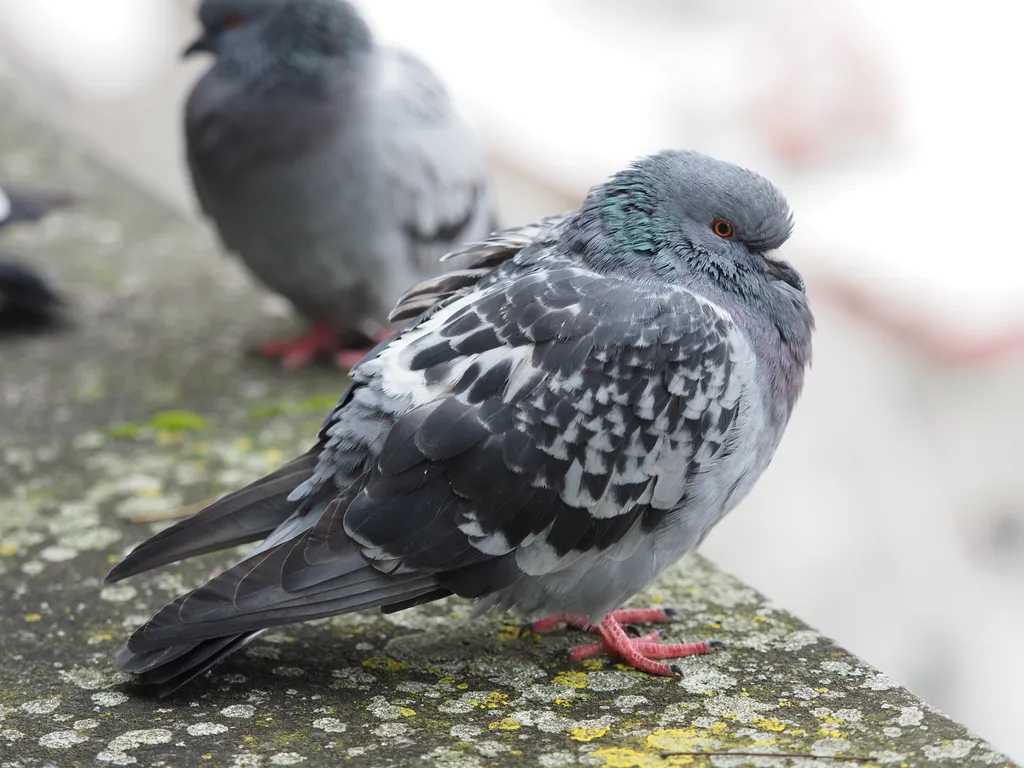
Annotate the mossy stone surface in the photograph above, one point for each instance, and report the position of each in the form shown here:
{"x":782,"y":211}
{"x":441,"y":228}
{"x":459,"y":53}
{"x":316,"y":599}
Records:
{"x":149,"y":403}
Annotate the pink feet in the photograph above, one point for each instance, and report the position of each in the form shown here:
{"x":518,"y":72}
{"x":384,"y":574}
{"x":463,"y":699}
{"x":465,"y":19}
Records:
{"x":637,"y":652}
{"x":320,"y":340}
{"x":348,"y":358}
{"x":300,"y":350}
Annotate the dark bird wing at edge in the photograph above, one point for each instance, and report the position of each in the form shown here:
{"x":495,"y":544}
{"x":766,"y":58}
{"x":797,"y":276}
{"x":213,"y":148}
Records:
{"x":27,"y":300}
{"x":586,"y":402}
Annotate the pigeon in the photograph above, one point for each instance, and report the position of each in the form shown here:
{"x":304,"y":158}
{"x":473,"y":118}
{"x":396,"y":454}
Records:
{"x":27,"y":300}
{"x":560,"y":421}
{"x":337,"y":169}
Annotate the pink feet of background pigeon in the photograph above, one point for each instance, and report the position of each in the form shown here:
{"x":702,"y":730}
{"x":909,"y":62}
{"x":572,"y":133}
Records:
{"x":638,"y":652}
{"x":319,"y":341}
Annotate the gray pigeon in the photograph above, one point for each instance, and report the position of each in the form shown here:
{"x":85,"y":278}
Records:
{"x":335,"y":168}
{"x":562,"y":421}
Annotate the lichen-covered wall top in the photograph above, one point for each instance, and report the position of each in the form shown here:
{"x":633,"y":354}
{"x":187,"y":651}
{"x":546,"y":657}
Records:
{"x":150,"y":404}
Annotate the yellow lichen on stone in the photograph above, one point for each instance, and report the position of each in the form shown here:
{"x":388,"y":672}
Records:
{"x":680,"y":740}
{"x":831,"y":720}
{"x":509,"y":632}
{"x":506,"y":724}
{"x":771,"y":724}
{"x":621,"y":757}
{"x":165,"y":438}
{"x":588,"y":734}
{"x":494,"y":700}
{"x":406,"y":711}
{"x":593,"y":664}
{"x":831,"y":733}
{"x":572,"y":679}
{"x":33,"y":617}
{"x":7,"y":550}
{"x":658,"y":743}
{"x":382,"y":662}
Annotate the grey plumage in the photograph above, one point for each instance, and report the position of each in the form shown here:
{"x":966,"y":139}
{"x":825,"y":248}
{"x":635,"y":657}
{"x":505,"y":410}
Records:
{"x":337,"y":169}
{"x":567,"y":416}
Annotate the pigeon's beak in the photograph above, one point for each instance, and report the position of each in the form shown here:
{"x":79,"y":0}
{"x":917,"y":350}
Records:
{"x":202,"y":44}
{"x":781,"y":270}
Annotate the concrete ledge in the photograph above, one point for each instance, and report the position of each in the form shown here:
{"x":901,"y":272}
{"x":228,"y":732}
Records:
{"x":150,"y":404}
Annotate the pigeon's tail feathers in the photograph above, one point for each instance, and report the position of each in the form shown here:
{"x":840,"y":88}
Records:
{"x":278,"y":586}
{"x":165,"y":670}
{"x":19,"y":204}
{"x":241,"y":517}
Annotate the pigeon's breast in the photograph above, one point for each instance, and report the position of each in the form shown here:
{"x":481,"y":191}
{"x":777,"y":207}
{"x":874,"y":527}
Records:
{"x":291,"y":190}
{"x":234,"y":131}
{"x":601,"y":580}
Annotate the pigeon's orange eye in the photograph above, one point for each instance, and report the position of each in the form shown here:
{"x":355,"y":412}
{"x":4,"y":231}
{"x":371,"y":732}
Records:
{"x":234,"y":19}
{"x":723,"y":228}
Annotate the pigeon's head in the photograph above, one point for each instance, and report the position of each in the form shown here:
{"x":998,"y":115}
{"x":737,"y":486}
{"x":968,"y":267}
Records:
{"x":686,"y":214}
{"x":293,"y":32}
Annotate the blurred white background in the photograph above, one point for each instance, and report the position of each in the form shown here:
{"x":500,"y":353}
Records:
{"x":893,"y":517}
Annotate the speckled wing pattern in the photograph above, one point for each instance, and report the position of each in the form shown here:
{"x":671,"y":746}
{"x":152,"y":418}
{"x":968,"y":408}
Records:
{"x":554,"y":412}
{"x":548,"y":412}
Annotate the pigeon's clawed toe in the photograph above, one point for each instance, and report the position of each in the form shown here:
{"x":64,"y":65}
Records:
{"x":625,"y":641}
{"x":639,"y":652}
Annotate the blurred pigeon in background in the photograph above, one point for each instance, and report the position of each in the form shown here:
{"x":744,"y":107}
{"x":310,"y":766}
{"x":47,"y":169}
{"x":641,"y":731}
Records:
{"x":566,"y":417}
{"x":18,"y":204}
{"x":336,"y":169}
{"x":27,"y":300}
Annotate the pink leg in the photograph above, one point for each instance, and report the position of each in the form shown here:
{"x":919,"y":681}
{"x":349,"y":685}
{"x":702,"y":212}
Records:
{"x":638,"y":652}
{"x":581,"y":652}
{"x":347,"y":359}
{"x":300,"y":350}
